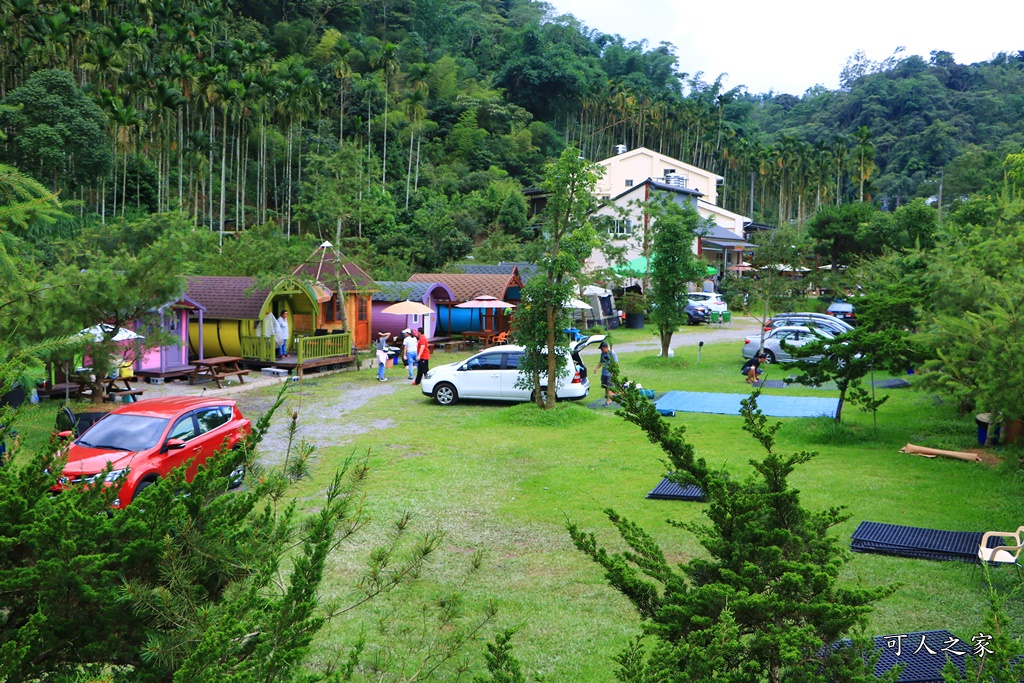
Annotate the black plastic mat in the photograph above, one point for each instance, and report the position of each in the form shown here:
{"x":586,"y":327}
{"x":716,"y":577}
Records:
{"x":895,"y":383}
{"x":669,"y":490}
{"x":915,"y":542}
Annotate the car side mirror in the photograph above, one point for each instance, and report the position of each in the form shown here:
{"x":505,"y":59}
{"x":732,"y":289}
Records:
{"x":66,"y":434}
{"x":174,"y":445}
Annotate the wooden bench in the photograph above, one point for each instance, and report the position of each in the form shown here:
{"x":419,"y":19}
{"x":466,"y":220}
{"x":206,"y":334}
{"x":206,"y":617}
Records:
{"x":221,"y":375}
{"x":73,"y":389}
{"x":452,"y":346}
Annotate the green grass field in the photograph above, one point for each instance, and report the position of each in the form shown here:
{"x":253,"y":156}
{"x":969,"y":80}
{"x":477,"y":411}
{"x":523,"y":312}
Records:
{"x":504,"y":479}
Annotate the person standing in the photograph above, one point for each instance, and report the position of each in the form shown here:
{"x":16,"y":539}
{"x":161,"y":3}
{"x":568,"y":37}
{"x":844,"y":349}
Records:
{"x":607,"y":356}
{"x":423,"y":356}
{"x":382,"y":355}
{"x":282,"y":335}
{"x":409,"y":344}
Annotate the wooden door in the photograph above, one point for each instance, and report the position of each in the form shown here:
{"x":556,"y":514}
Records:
{"x":361,"y":333}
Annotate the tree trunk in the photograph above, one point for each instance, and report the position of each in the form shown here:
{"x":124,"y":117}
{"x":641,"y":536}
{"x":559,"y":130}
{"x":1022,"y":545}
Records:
{"x":839,"y":406}
{"x":552,"y":378}
{"x":223,"y":175}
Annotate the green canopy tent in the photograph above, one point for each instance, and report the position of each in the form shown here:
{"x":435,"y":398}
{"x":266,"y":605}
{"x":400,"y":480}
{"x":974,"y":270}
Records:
{"x":638,"y":267}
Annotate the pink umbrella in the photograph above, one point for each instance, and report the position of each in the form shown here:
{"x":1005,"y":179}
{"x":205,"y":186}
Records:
{"x":483,"y":301}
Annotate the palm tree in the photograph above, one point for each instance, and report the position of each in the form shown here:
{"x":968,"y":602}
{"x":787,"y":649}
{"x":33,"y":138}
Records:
{"x":864,"y":153}
{"x":415,"y":108}
{"x":386,"y":60}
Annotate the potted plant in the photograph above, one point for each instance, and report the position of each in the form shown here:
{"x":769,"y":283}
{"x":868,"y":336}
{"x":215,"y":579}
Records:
{"x":635,"y":305}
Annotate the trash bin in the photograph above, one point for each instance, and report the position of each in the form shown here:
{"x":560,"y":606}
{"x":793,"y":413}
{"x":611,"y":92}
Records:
{"x":984,"y":422}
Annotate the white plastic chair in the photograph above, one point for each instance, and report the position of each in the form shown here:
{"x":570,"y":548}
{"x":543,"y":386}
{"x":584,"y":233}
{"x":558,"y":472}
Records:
{"x":1003,"y":554}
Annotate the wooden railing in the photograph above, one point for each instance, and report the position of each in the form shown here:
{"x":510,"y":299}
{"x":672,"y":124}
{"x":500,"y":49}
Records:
{"x":326,"y":346}
{"x":258,"y":348}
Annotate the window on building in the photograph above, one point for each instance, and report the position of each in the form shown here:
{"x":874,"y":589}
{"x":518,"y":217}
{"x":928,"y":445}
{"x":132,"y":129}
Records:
{"x":629,"y":182}
{"x":621,"y":227}
{"x":668,"y":171}
{"x":361,"y":309}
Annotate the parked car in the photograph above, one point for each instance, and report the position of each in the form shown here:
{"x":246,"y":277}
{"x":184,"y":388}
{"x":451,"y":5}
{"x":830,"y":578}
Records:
{"x":792,"y":334}
{"x":842,"y":311}
{"x":492,"y":375}
{"x":832,"y":325}
{"x":712,"y":300}
{"x":146,"y":440}
{"x":697,"y":313}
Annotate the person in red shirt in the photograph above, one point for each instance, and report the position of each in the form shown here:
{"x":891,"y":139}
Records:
{"x":422,"y":356}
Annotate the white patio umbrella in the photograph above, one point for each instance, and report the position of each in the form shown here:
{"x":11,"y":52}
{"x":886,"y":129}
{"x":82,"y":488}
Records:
{"x":410,"y":308}
{"x":577,"y":304}
{"x":98,"y":332}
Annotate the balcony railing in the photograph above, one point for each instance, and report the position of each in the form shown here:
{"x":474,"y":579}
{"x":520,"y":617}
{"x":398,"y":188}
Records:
{"x":258,"y":348}
{"x":326,"y":346}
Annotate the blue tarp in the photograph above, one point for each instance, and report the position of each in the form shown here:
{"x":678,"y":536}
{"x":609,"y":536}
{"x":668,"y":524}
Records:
{"x":729,"y":404}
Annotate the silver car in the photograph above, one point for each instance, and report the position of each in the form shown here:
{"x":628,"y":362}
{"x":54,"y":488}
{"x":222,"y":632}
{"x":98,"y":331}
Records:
{"x":794,"y":335}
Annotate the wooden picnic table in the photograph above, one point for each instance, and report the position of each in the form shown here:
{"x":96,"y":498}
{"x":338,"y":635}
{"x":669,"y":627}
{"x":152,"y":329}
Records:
{"x":217,"y":368}
{"x":111,"y":390}
{"x":480,"y":337}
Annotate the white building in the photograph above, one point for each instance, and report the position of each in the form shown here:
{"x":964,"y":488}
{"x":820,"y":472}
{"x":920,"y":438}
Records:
{"x":633,"y":177}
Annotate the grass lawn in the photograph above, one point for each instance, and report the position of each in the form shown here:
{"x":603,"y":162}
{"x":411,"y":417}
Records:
{"x":504,"y":479}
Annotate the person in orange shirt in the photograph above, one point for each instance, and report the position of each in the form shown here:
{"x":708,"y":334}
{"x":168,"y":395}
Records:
{"x":422,"y":356}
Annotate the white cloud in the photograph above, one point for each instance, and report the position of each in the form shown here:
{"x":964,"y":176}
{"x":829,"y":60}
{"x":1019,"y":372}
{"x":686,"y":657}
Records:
{"x":792,"y":45}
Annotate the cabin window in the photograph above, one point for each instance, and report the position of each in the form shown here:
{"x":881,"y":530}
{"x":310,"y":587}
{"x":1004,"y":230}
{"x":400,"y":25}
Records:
{"x":332,"y":312}
{"x":416,"y":319}
{"x":621,"y":227}
{"x":361,"y":309}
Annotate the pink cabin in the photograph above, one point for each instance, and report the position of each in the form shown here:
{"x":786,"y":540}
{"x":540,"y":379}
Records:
{"x":172,"y":360}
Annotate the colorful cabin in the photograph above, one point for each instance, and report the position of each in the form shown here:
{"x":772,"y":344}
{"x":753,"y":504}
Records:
{"x":333,"y":275}
{"x":430,"y":294}
{"x":171,"y":360}
{"x":466,"y":287}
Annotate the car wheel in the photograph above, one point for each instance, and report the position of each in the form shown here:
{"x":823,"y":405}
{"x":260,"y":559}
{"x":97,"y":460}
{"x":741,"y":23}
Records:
{"x":143,"y":485}
{"x":769,"y":357}
{"x":446,"y":394}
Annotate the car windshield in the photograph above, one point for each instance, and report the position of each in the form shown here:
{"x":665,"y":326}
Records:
{"x":699,"y":297}
{"x":124,"y":433}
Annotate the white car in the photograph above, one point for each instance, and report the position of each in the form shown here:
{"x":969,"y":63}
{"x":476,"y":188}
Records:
{"x":492,"y":375}
{"x":713,"y":301}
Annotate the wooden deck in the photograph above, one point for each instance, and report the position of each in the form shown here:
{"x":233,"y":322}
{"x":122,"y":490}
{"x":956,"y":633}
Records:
{"x":168,"y":373}
{"x":291,"y":363}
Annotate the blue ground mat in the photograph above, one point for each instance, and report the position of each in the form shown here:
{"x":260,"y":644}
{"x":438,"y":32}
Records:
{"x":729,"y":404}
{"x":915,"y":542}
{"x":669,"y":490}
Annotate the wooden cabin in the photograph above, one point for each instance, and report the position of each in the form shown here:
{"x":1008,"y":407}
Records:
{"x":332,"y":274}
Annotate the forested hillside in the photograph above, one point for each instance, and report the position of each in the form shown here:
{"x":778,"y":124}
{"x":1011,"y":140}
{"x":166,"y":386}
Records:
{"x":408,"y":129}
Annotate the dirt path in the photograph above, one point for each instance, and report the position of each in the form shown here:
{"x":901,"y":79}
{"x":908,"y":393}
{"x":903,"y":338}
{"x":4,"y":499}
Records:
{"x":322,"y":420}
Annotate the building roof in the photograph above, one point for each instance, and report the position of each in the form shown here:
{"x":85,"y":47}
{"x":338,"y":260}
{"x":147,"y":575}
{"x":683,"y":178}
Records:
{"x":678,"y":189}
{"x":643,"y":151}
{"x":327,"y":267}
{"x":227,"y":298}
{"x":466,"y":286}
{"x":481,"y":269}
{"x":526,"y":269}
{"x":391,"y":290}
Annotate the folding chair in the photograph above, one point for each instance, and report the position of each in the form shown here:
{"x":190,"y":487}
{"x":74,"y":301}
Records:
{"x":713,"y":319}
{"x":727,"y":318}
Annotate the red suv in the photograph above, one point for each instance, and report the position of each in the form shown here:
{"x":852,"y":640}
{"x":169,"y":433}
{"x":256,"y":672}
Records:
{"x":144,"y":441}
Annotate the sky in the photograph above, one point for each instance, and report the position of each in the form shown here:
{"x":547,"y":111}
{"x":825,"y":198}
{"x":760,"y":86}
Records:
{"x":789,"y":46}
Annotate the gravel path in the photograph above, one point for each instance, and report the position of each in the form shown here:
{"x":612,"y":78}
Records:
{"x":323,"y":420}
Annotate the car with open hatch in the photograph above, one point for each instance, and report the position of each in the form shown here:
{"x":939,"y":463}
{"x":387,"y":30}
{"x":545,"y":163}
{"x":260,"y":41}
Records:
{"x":492,"y":375}
{"x":144,"y":441}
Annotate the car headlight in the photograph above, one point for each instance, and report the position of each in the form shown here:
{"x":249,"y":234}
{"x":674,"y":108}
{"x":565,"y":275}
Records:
{"x":430,"y":373}
{"x":110,"y":477}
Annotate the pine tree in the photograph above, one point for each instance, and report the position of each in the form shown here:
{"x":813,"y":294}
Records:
{"x":764,"y":604}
